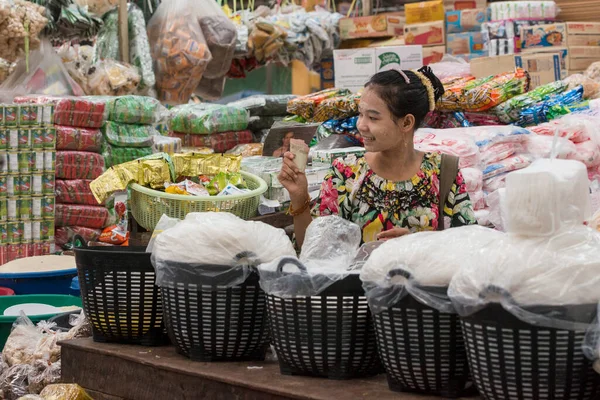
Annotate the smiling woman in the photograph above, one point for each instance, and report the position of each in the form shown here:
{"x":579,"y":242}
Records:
{"x":394,"y":189}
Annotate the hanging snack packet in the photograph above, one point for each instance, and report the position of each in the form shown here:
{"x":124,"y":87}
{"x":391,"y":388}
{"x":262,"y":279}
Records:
{"x":450,"y":100}
{"x":337,"y":108}
{"x":299,"y":149}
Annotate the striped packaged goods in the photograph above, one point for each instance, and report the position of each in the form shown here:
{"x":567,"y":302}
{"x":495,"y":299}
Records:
{"x":27,"y":249}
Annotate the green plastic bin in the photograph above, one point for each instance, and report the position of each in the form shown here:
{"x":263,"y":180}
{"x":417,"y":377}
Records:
{"x":56,"y":300}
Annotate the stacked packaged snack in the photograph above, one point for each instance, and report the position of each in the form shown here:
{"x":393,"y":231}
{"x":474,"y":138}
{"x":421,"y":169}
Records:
{"x":220,"y":128}
{"x":129,"y":130}
{"x":465,"y":37}
{"x":79,"y":142}
{"x":27,"y":148}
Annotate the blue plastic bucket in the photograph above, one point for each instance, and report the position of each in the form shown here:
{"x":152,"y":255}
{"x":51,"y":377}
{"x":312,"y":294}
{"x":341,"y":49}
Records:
{"x":53,"y":282}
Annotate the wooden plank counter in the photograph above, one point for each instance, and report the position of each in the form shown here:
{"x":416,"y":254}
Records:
{"x":117,"y":372}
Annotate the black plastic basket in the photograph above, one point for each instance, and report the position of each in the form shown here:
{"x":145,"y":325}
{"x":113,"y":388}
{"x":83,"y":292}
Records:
{"x":214,"y":322}
{"x":330,"y":335}
{"x":514,"y":360}
{"x":119,"y":295}
{"x":422,"y":349}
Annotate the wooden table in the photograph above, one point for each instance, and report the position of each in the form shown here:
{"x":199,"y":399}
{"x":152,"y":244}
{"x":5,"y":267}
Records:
{"x":117,"y":372}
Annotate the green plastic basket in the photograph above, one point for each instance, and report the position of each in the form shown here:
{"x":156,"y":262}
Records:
{"x":56,"y":300}
{"x":148,"y":205}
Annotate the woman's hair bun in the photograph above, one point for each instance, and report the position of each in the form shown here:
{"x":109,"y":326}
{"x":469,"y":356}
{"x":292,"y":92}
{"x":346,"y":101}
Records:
{"x":438,"y":87}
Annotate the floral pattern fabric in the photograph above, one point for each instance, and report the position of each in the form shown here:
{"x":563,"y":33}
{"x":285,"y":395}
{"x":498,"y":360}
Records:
{"x":354,"y":192}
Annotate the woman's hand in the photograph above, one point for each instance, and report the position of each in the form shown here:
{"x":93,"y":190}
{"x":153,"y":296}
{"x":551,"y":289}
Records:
{"x":393,"y":233}
{"x":293,"y":180}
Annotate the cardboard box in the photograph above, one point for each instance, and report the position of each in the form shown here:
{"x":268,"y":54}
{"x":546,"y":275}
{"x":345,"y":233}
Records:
{"x":433,"y":54}
{"x":465,"y":20}
{"x":563,"y":51}
{"x":452,"y":5}
{"x":354,"y":67}
{"x":583,"y":40}
{"x":543,"y":68}
{"x":425,"y":11}
{"x":465,"y":43}
{"x":579,"y":64}
{"x":551,"y":35}
{"x":429,"y":34}
{"x":584,"y":52}
{"x":583,"y":28}
{"x":501,"y":47}
{"x":482,"y":67}
{"x":510,"y":29}
{"x":377,"y":26}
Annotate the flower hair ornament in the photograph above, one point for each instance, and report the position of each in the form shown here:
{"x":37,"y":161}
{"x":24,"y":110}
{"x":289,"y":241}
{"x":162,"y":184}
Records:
{"x":429,"y":86}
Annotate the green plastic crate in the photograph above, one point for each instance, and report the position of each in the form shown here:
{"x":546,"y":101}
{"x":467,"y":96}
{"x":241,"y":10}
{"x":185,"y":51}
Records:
{"x":56,"y":300}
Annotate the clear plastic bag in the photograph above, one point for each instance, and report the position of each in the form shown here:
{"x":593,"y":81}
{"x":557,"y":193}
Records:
{"x":42,"y":375}
{"x":13,"y":382}
{"x":113,"y":78}
{"x":211,"y":89}
{"x":549,"y":147}
{"x":115,"y":155}
{"x":574,"y":127}
{"x":220,"y":34}
{"x":78,"y":139}
{"x":421,"y":264}
{"x":166,"y":144}
{"x":81,"y":112}
{"x":179,"y":48}
{"x":449,"y":141}
{"x":230,"y":247}
{"x":64,"y":392}
{"x":328,"y":254}
{"x":78,"y":165}
{"x":98,"y":7}
{"x":128,"y":135}
{"x":74,"y":191}
{"x":549,"y":281}
{"x":81,"y":215}
{"x":591,"y":88}
{"x":549,"y":196}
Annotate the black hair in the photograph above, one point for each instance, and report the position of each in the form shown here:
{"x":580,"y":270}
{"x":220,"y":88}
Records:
{"x":406,"y":98}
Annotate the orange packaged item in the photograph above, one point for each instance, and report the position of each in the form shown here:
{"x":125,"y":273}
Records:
{"x":450,"y":100}
{"x":114,"y":235}
{"x":483,"y":94}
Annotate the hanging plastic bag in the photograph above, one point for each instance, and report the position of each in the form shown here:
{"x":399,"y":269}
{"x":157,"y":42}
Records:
{"x":328,"y":253}
{"x":420,"y":264}
{"x":98,"y":7}
{"x":211,"y":89}
{"x":179,"y":48}
{"x":230,"y":247}
{"x":220,"y":34}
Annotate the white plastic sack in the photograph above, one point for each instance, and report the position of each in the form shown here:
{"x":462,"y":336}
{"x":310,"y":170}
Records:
{"x":540,"y":146}
{"x":216,"y":248}
{"x":547,"y":281}
{"x":421,"y":264}
{"x":548,"y":196}
{"x":328,"y":255}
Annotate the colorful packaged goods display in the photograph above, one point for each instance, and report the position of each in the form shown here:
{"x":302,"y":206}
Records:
{"x":128,"y":135}
{"x":75,"y":191}
{"x":509,"y":111}
{"x":114,"y":155}
{"x":78,"y":139}
{"x":78,"y":165}
{"x":208,"y":119}
{"x":219,"y":142}
{"x":27,"y":151}
{"x":139,"y":110}
{"x":80,"y":215}
{"x":306,"y":106}
{"x":81,"y":112}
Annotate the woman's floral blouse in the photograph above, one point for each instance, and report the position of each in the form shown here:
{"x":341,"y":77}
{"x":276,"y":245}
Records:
{"x":354,"y":192}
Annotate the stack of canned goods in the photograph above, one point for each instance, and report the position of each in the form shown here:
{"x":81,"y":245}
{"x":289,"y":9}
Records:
{"x":27,"y":199}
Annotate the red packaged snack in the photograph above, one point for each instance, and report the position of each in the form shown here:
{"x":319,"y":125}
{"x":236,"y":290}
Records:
{"x":114,"y":235}
{"x":78,"y":165}
{"x":81,"y":139}
{"x":219,"y":142}
{"x":82,"y":112}
{"x":76,"y":191}
{"x":64,"y":234}
{"x":78,"y":215}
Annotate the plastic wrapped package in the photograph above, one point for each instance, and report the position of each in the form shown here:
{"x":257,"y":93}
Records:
{"x":593,"y":71}
{"x":80,"y":215}
{"x":220,"y":34}
{"x":494,"y":183}
{"x":486,"y":136}
{"x":78,"y":165}
{"x":14,"y":381}
{"x":549,"y":281}
{"x":306,"y":106}
{"x":113,"y":78}
{"x":447,"y":142}
{"x":64,"y":391}
{"x":211,"y":89}
{"x":450,"y":100}
{"x":127,"y":135}
{"x":497,"y":152}
{"x":328,"y":253}
{"x":551,"y":108}
{"x":337,"y":108}
{"x":208,"y":119}
{"x":43,"y":375}
{"x":256,"y":124}
{"x":477,"y":199}
{"x":483,"y":94}
{"x":78,"y":139}
{"x":587,"y":152}
{"x":451,"y":66}
{"x":98,"y":7}
{"x":165,"y":144}
{"x":65,"y":234}
{"x":483,"y":217}
{"x":75,"y":191}
{"x":591,"y":88}
{"x":180,"y":50}
{"x":140,"y":110}
{"x":265,"y":105}
{"x":247,"y":150}
{"x":422,"y":265}
{"x":577,"y":128}
{"x":548,"y":196}
{"x":81,"y":112}
{"x":549,"y":147}
{"x":115,"y":155}
{"x":509,"y":111}
{"x":230,"y":247}
{"x":219,"y":142}
{"x":266,"y":40}
{"x":510,"y":164}
{"x":473,"y":178}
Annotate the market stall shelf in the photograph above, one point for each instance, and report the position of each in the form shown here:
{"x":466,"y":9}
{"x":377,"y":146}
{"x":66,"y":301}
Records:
{"x":116,"y":372}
